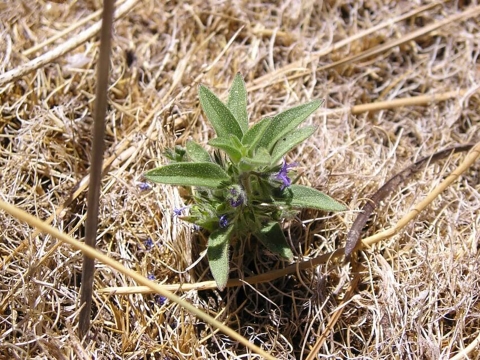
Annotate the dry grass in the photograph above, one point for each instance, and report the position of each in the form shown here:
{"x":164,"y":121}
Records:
{"x":413,"y":295}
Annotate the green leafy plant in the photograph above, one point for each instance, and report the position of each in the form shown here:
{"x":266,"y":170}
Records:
{"x":244,"y":187}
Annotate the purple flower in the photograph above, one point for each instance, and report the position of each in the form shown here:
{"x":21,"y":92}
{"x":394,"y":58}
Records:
{"x":144,"y":186}
{"x":151,"y":277}
{"x":283,"y":174}
{"x":223,"y":221}
{"x":178,"y":212}
{"x":148,"y":243}
{"x":160,"y":300}
{"x":236,"y":203}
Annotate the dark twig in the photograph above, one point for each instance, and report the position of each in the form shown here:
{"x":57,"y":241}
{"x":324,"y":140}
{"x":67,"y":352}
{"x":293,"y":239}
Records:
{"x":353,"y":237}
{"x":96,"y":166}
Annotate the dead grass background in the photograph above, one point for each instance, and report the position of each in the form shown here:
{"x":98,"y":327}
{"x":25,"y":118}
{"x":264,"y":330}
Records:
{"x":418,"y":293}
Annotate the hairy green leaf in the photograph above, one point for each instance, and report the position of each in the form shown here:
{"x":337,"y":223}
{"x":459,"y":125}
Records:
{"x":218,"y":114}
{"x":255,"y":133}
{"x":286,"y":121}
{"x":230,"y":145}
{"x":237,"y":102}
{"x":290,"y":140}
{"x":189,"y":174}
{"x":274,"y":240}
{"x":217,"y":252}
{"x":300,"y":196}
{"x":261,"y":158}
{"x":197,"y":153}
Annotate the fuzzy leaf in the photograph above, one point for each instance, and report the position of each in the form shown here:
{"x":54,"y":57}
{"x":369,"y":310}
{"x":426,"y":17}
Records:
{"x":197,"y":153}
{"x":299,"y":196}
{"x":272,"y":237}
{"x":230,"y":145}
{"x":255,"y":133}
{"x":286,"y":121}
{"x":217,"y":252}
{"x":290,"y":140}
{"x":237,"y":102}
{"x":261,"y":158}
{"x":189,"y":174}
{"x":218,"y":114}
{"x":176,"y":155}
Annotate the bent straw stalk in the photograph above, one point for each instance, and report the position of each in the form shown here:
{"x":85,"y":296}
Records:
{"x":373,"y":202}
{"x":22,"y":215}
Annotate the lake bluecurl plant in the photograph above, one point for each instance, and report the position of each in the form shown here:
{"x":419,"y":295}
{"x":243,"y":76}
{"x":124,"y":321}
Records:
{"x":245,"y":186}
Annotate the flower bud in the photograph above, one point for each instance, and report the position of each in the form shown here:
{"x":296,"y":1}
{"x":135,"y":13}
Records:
{"x":235,"y":195}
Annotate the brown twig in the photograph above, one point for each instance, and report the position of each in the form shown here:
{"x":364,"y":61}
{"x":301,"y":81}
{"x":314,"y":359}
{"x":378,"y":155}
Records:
{"x":353,"y":237}
{"x":96,"y":165}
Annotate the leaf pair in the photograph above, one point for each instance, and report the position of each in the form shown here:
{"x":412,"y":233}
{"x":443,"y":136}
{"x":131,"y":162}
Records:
{"x":229,"y":119}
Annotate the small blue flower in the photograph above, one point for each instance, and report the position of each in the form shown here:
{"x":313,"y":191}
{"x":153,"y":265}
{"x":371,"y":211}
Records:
{"x":144,"y":186}
{"x":160,"y":300}
{"x":236,"y":203}
{"x":151,"y":277}
{"x":178,"y":212}
{"x":148,"y":243}
{"x":283,"y":174}
{"x":223,"y":221}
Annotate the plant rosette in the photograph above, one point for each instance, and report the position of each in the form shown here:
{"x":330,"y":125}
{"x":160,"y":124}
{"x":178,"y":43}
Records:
{"x":244,"y":187}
